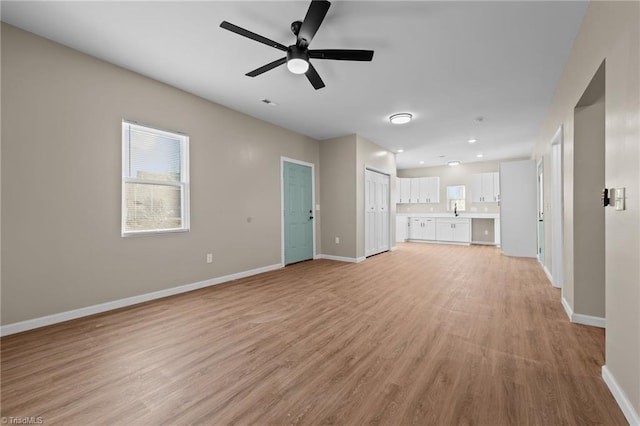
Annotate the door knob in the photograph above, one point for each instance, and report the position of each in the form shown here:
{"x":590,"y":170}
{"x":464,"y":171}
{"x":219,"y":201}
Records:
{"x":310,"y":217}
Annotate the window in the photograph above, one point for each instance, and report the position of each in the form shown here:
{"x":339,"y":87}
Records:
{"x":456,"y":198}
{"x":155,"y":180}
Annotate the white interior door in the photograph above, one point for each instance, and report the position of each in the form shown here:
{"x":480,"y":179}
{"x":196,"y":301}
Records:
{"x":370,"y":213}
{"x":376,"y":213}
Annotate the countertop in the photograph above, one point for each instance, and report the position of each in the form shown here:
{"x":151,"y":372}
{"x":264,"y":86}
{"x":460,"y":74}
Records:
{"x":463,"y":215}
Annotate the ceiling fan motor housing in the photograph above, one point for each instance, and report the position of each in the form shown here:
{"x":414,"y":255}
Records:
{"x":296,"y":52}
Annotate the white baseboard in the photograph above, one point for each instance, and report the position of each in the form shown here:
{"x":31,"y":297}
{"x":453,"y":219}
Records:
{"x":128,"y":301}
{"x":342,"y":258}
{"x":483,"y":243}
{"x":589,"y":320}
{"x":547,"y":273}
{"x":621,"y":398}
{"x":581,"y":318}
{"x":567,"y":308}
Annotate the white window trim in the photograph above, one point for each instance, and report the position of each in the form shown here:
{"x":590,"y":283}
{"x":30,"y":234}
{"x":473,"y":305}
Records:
{"x":183,"y":184}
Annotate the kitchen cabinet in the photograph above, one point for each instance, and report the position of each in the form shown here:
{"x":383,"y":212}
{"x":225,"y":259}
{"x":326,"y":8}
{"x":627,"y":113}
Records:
{"x":456,"y":230}
{"x":425,"y":190}
{"x":422,"y":228}
{"x":403,"y":190}
{"x":485,"y":187}
{"x":496,"y":186}
{"x":402,"y":229}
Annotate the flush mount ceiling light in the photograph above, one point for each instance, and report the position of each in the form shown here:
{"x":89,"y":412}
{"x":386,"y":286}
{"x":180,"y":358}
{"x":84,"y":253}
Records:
{"x":400,"y":151}
{"x":453,"y":163}
{"x":479,"y":155}
{"x":401,"y":118}
{"x":472,"y":140}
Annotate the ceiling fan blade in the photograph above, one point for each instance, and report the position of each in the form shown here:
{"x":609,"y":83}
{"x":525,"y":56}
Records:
{"x":315,"y":15}
{"x":253,"y":36}
{"x":314,"y":78}
{"x":342,"y":54}
{"x":267,"y":67}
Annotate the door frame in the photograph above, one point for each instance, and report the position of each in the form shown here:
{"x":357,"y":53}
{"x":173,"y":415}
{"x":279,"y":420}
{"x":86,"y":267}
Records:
{"x":557,"y":209}
{"x":364,"y":209}
{"x":313,"y":203}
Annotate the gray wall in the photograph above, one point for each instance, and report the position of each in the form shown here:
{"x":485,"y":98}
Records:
{"x":610,"y":30}
{"x":338,"y":200}
{"x":61,"y":155}
{"x":344,"y":160}
{"x":588,"y":223}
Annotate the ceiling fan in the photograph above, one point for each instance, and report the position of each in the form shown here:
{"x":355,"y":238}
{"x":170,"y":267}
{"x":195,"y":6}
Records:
{"x":298,"y":54}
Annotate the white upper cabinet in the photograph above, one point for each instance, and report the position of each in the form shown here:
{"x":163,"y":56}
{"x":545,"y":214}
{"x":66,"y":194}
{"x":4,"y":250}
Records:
{"x":496,"y":186}
{"x":403,"y":190}
{"x":485,"y":187}
{"x":425,"y":190}
{"x":418,"y":190}
{"x":415,"y":190}
{"x":430,"y":190}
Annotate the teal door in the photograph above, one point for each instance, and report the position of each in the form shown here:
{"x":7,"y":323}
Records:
{"x":298,"y":213}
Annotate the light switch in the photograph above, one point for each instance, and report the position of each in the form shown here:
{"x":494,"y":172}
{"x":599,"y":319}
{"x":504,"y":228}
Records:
{"x":618,"y":197}
{"x":317,"y":207}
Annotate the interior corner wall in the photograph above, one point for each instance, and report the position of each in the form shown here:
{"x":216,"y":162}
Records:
{"x":369,"y":154}
{"x":338,"y":200}
{"x":61,"y":186}
{"x":589,"y":179}
{"x":610,"y":30}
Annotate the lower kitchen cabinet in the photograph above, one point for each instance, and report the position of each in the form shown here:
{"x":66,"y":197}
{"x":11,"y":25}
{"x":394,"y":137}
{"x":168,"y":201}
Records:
{"x":455,"y":230}
{"x":422,"y":228}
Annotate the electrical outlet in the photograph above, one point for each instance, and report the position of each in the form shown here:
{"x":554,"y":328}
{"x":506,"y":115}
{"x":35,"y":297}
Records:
{"x":337,"y":240}
{"x":209,"y":257}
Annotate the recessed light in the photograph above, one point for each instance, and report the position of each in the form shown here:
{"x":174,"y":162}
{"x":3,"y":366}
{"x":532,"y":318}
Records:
{"x":453,"y":163}
{"x":401,"y":118}
{"x":421,"y":162}
{"x":479,"y":155}
{"x":400,"y":150}
{"x":472,"y":140}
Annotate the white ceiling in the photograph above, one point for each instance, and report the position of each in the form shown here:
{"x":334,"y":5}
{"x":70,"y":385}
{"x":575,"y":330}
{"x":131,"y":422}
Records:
{"x":445,"y":62}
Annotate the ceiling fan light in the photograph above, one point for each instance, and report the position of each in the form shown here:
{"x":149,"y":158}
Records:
{"x":401,"y":118}
{"x":297,"y":60}
{"x":297,"y":65}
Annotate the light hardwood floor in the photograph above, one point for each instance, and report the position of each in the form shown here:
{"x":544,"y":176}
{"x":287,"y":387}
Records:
{"x":426,"y":335}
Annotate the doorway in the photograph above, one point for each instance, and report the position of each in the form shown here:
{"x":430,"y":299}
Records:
{"x":297,"y":211}
{"x":376,"y":220}
{"x":589,"y":269}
